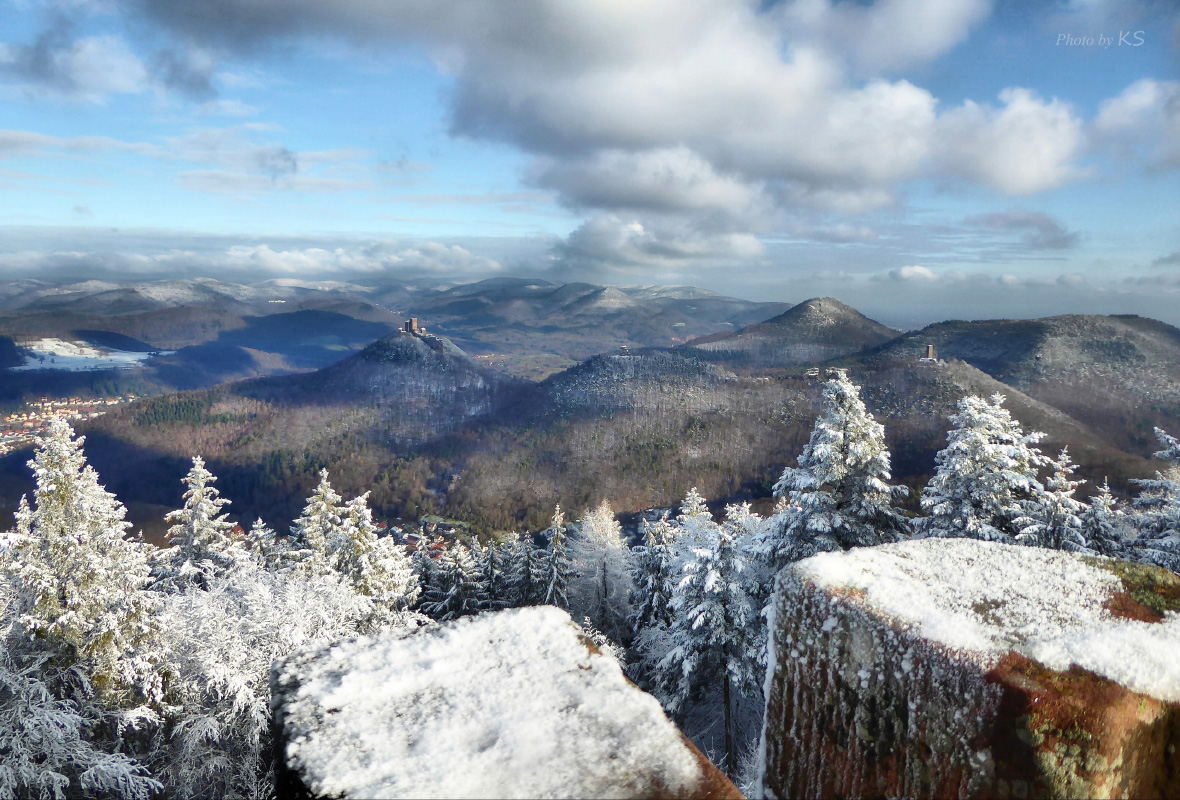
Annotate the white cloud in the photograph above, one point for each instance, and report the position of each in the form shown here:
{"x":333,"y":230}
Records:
{"x":686,"y":129}
{"x":888,"y":34}
{"x":261,"y":260}
{"x":915,"y":273}
{"x":237,"y":163}
{"x":1029,"y":145}
{"x":610,"y":241}
{"x":664,"y":179}
{"x":226,"y":108}
{"x":1144,"y":117}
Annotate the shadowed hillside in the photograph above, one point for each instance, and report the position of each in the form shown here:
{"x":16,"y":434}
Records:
{"x":1119,"y":374}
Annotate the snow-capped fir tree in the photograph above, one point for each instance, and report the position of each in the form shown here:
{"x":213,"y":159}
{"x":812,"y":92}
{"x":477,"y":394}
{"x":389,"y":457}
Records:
{"x":458,"y":590}
{"x":712,"y":634}
{"x":201,"y":538}
{"x":79,"y":581}
{"x":697,"y":528}
{"x":1157,"y":510}
{"x":524,"y":570}
{"x":272,"y":551}
{"x":984,"y":475}
{"x":1052,"y":516}
{"x":746,"y":526}
{"x":748,"y":531}
{"x":654,"y":576}
{"x":558,"y":568}
{"x":839,"y":496}
{"x":694,"y":505}
{"x":425,"y":566}
{"x":602,"y":588}
{"x":317,"y":533}
{"x":489,"y":561}
{"x":1103,"y":524}
{"x":376,"y":567}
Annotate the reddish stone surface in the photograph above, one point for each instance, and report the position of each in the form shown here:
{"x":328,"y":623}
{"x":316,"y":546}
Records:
{"x":859,"y":705}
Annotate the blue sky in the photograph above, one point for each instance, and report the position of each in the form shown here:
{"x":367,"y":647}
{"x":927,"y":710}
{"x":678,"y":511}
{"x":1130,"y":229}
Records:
{"x":918,"y":159}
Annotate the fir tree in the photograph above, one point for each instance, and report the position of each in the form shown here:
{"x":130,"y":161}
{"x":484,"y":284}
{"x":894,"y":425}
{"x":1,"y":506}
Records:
{"x":1103,"y":524}
{"x":839,"y":496}
{"x":376,"y":567}
{"x":558,"y":567}
{"x":654,"y":577}
{"x":524,"y":570}
{"x":268,"y":548}
{"x":984,"y":475}
{"x":79,"y":580}
{"x":1157,"y":510}
{"x":490,"y":563}
{"x":696,"y":527}
{"x":425,"y":567}
{"x":318,"y":532}
{"x":1053,"y":516}
{"x":712,"y":634}
{"x":603,"y":576}
{"x":201,"y":535}
{"x":694,"y":505}
{"x":459,"y":590}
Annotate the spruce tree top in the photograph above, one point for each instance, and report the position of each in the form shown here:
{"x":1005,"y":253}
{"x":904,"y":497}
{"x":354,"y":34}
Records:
{"x":987,"y":470}
{"x":839,"y":496}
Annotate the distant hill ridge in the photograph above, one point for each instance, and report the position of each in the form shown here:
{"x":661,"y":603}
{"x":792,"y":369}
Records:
{"x":1118,"y":374}
{"x":815,"y":330}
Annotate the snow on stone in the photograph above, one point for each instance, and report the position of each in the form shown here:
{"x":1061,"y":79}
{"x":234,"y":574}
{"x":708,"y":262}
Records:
{"x":58,"y":354}
{"x":990,"y":598}
{"x":511,"y":704}
{"x":962,"y":668}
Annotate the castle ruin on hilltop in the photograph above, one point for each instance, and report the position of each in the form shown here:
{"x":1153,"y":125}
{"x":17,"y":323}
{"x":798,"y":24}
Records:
{"x":411,"y":328}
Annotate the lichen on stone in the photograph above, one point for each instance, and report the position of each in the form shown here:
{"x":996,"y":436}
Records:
{"x":1151,"y":587}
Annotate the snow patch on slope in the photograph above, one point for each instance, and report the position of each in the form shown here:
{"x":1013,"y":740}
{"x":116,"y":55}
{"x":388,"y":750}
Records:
{"x":58,"y":354}
{"x":988,"y":598}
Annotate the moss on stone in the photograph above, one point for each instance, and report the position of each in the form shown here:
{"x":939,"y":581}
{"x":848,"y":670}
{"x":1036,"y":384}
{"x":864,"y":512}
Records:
{"x":1153,"y":587}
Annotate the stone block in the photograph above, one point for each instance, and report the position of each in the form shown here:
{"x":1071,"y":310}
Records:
{"x":957,"y":668}
{"x":512,"y":704}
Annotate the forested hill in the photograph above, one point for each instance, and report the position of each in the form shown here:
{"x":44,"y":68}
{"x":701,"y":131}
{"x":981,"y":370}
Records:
{"x":813,"y":331}
{"x":1118,"y":374}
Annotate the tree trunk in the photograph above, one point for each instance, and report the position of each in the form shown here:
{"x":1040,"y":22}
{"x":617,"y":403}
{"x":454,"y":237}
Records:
{"x":729,"y":768}
{"x":604,"y":609}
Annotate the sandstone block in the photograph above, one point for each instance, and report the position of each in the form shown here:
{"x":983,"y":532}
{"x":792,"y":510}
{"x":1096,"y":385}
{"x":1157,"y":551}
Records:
{"x":957,"y":668}
{"x":513,"y":704}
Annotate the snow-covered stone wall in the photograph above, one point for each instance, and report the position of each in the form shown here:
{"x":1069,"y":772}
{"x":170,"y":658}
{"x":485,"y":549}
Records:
{"x":959,"y":668}
{"x":513,"y":704}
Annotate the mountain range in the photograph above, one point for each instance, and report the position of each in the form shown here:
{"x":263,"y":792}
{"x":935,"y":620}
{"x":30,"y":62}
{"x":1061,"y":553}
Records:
{"x":220,"y":331}
{"x":434,"y":423}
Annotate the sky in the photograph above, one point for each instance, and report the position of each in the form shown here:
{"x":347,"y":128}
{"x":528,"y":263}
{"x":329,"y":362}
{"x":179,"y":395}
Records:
{"x":918,"y":159}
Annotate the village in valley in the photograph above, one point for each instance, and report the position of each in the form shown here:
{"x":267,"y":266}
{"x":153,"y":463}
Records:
{"x":20,"y":428}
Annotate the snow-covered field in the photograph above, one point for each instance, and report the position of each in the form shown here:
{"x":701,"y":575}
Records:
{"x":76,"y":356}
